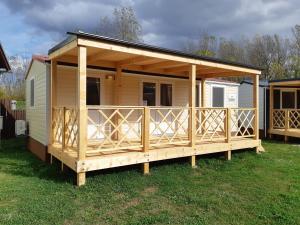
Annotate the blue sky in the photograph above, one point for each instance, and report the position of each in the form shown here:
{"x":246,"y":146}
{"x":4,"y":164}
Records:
{"x":32,"y":27}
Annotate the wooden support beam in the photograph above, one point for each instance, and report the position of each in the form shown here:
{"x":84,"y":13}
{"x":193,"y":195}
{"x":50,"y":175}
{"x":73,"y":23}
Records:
{"x":146,"y":129}
{"x":256,"y":105}
{"x":192,"y":101}
{"x":82,"y":110}
{"x":228,"y":155}
{"x":271,"y":104}
{"x":52,"y":96}
{"x":177,"y":69}
{"x":163,"y":56}
{"x":81,"y":179}
{"x":228,"y":125}
{"x":63,"y":50}
{"x":146,"y":168}
{"x":193,"y":161}
{"x":203,"y":92}
{"x":134,"y":60}
{"x":118,"y":86}
{"x":162,"y":65}
{"x":100,"y":56}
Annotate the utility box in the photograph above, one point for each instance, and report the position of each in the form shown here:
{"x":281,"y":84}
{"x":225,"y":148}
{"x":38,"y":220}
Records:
{"x":20,"y":127}
{"x":13,"y":105}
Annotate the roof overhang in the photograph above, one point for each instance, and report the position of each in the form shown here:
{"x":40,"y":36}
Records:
{"x":4,"y":64}
{"x":114,"y":53}
{"x":285,"y":82}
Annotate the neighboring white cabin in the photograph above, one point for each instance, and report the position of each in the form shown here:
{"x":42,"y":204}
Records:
{"x":245,"y":100}
{"x":219,"y":93}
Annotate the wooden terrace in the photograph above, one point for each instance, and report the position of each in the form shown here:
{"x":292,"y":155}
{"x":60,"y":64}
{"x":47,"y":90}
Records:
{"x":87,"y":138}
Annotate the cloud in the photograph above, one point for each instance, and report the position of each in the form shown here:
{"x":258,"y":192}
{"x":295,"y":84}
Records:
{"x":165,"y":23}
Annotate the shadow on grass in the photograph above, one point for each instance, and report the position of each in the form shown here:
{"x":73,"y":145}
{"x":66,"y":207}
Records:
{"x":16,"y":160}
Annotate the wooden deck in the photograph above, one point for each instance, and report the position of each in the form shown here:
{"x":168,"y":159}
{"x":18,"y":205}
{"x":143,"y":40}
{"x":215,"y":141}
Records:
{"x":129,"y":157}
{"x":123,"y":135}
{"x":285,"y":122}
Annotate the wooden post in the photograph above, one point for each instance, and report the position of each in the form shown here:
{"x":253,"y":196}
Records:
{"x":52,"y":98}
{"x":256,"y":112}
{"x":192,"y":111}
{"x":117,"y":98}
{"x":82,"y":111}
{"x":286,"y":124}
{"x":228,"y":124}
{"x":271,"y":108}
{"x":146,"y":133}
{"x":256,"y":105}
{"x":203,"y":101}
{"x":203,"y":91}
{"x":228,"y":155}
{"x":64,"y":130}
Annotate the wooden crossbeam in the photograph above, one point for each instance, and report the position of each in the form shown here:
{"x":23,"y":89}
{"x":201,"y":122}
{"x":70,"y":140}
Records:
{"x":100,"y":55}
{"x":134,"y":60}
{"x":162,"y":65}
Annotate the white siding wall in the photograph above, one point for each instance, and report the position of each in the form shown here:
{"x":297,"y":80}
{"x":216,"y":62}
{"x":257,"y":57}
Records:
{"x":131,"y":93}
{"x":246,"y":100}
{"x":230,"y":90}
{"x":36,"y":116}
{"x":66,"y":86}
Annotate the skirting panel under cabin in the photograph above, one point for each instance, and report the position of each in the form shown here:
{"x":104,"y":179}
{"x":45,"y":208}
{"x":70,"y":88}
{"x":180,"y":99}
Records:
{"x":38,"y":149}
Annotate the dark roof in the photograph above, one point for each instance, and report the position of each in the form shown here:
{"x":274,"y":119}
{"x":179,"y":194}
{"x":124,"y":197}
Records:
{"x":283,"y":80}
{"x":4,"y":64}
{"x":262,"y":83}
{"x":145,"y":47}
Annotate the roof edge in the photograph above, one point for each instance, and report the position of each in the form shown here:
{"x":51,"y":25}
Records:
{"x":147,"y":47}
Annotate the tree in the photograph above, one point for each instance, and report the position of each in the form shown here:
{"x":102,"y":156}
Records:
{"x":13,"y":83}
{"x":295,"y":52}
{"x":123,"y":25}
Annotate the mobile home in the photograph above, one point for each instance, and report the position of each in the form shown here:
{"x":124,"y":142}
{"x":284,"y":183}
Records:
{"x":103,"y":103}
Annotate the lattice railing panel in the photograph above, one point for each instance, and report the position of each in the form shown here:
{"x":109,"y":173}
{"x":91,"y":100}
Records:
{"x":169,"y":125}
{"x":115,"y":128}
{"x":71,"y":127}
{"x":57,"y":124}
{"x":242,"y":122}
{"x":278,"y":118}
{"x":210,"y":124}
{"x":294,"y":118}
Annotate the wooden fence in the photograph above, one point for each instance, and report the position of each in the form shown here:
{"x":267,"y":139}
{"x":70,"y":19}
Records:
{"x":9,"y":118}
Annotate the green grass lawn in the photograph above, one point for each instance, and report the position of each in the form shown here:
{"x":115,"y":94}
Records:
{"x":250,"y":189}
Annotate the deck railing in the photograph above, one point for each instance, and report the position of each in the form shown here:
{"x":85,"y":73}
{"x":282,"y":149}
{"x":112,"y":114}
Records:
{"x":285,"y":119}
{"x":138,"y":128}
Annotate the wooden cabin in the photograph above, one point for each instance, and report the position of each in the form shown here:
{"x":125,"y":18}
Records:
{"x":285,"y":108}
{"x":109,"y":103}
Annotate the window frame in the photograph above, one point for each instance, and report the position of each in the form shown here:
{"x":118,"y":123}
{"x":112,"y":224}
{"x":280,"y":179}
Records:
{"x":295,"y":97}
{"x":100,"y":91}
{"x":212,"y":94}
{"x":30,"y":97}
{"x":157,"y":83}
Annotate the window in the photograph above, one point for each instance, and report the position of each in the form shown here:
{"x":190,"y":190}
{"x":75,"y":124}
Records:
{"x":93,"y":91}
{"x":32,"y":92}
{"x":149,"y":95}
{"x":288,"y":100}
{"x":276,"y":99}
{"x":217,"y":97}
{"x":165,"y":94}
